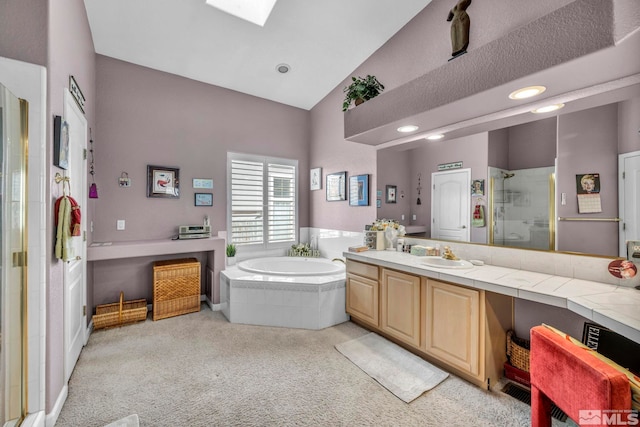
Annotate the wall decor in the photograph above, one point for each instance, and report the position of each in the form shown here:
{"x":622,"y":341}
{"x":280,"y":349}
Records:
{"x":391,"y":192}
{"x":336,"y":186}
{"x":379,"y":194}
{"x":477,"y":187}
{"x":359,"y":190}
{"x":202,"y":183}
{"x":163,"y":182}
{"x":460,"y":24}
{"x":315,"y":179}
{"x":378,"y":203}
{"x":60,"y":143}
{"x":203,"y":199}
{"x":448,"y":166}
{"x":74,"y":88}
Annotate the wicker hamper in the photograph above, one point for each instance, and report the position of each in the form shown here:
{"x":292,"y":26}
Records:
{"x":518,"y":351}
{"x":176,"y":287}
{"x":120,"y":313}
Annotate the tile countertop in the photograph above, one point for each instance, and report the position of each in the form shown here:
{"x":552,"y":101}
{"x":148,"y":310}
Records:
{"x":614,"y":307}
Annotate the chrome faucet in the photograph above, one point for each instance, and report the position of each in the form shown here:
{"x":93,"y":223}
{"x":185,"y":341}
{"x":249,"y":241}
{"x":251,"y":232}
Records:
{"x":448,"y":254}
{"x":339,"y":259}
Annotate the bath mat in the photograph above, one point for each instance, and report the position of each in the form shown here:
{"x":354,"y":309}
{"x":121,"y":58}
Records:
{"x":402,"y":373}
{"x":130,"y":421}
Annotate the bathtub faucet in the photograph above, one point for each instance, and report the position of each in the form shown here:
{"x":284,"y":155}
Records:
{"x":339,"y":259}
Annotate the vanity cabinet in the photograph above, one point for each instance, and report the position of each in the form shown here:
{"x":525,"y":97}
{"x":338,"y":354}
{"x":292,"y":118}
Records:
{"x":400,"y":306}
{"x":466,"y":328}
{"x":363,"y":290}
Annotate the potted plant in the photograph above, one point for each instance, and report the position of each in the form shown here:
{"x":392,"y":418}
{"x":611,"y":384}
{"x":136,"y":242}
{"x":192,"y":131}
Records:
{"x":360,"y":90}
{"x":231,"y":254}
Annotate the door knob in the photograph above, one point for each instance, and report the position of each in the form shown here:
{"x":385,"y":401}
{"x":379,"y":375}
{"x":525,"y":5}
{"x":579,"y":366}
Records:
{"x":464,"y":226}
{"x":78,"y":258}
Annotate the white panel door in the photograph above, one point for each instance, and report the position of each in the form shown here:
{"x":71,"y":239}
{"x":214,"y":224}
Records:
{"x":629,"y":165}
{"x":75,"y":283}
{"x":450,"y":204}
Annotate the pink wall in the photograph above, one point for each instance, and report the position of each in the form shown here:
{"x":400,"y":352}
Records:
{"x":420,"y":46}
{"x":392,"y":170}
{"x":149,"y":117}
{"x":23,"y":30}
{"x":588,"y":142}
{"x":533,"y":144}
{"x":71,"y":52}
{"x":499,"y":149}
{"x":629,"y":126}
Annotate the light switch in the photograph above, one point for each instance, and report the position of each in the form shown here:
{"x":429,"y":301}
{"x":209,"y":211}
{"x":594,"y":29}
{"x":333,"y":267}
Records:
{"x":402,"y":217}
{"x":563,"y":199}
{"x":414,"y":217}
{"x":120,"y":224}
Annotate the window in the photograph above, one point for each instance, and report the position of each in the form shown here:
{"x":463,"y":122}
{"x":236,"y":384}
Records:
{"x":263,"y":207}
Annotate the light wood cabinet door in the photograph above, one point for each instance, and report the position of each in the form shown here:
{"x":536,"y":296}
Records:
{"x":362,"y":299}
{"x":400,"y":306}
{"x":453,"y":326}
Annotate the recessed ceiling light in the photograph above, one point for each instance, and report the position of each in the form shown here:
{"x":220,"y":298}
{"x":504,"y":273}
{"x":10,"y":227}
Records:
{"x":407,"y":128}
{"x":527,"y":92}
{"x":548,"y":108}
{"x":435,"y":137}
{"x":254,"y":11}
{"x":283,"y":68}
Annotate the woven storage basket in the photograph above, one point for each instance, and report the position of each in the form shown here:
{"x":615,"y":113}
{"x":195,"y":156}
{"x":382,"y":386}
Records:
{"x":176,"y":287}
{"x":120,"y":313}
{"x":518,"y":351}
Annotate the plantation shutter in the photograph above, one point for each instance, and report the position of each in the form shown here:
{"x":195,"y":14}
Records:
{"x":247,"y":195}
{"x":281,"y":196}
{"x":262,"y":200}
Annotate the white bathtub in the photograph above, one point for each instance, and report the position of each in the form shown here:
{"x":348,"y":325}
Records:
{"x":291,"y":292}
{"x":292,"y":266}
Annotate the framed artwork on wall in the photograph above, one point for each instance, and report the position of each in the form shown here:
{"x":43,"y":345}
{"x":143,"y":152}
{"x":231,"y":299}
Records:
{"x":60,"y":143}
{"x":203,"y":183}
{"x":390,"y":191}
{"x":336,"y":186}
{"x":203,"y":199}
{"x":315,"y":179}
{"x":359,"y":190}
{"x":163,"y":182}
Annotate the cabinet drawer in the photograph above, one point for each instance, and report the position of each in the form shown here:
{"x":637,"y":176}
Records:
{"x":362,"y":269}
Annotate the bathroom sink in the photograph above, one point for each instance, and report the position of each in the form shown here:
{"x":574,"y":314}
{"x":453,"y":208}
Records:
{"x":439,"y":262}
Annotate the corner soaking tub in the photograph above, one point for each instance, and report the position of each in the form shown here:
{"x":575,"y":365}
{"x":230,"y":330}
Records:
{"x":292,"y":292}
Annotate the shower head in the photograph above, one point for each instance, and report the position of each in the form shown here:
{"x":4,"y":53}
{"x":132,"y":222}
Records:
{"x":507,"y":175}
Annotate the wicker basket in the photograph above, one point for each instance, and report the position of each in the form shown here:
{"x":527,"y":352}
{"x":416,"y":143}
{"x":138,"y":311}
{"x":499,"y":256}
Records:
{"x":176,"y":287}
{"x":120,"y":313}
{"x":518,"y":351}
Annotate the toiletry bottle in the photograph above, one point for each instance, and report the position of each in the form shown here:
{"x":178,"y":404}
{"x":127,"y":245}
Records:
{"x":400,"y":246}
{"x":438,"y":250}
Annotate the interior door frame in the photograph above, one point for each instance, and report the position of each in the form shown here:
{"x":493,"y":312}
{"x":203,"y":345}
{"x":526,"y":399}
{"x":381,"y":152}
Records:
{"x":622,"y":244}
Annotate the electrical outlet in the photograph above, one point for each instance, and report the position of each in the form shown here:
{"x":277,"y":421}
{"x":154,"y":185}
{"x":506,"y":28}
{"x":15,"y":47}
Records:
{"x":402,"y":217}
{"x":120,"y":224}
{"x":414,"y":217}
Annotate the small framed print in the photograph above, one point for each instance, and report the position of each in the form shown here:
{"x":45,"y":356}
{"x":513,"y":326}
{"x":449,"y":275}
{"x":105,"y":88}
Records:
{"x":359,"y":190}
{"x":60,"y":143}
{"x":203,"y":183}
{"x":163,"y":182}
{"x":316,"y":179}
{"x":336,"y":186}
{"x":391,"y":191}
{"x":477,"y":187}
{"x":204,"y":199}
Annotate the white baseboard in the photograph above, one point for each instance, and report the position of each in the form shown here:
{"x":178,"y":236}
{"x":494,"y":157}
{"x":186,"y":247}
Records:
{"x":52,"y":416}
{"x":212,"y":306}
{"x":35,"y":419}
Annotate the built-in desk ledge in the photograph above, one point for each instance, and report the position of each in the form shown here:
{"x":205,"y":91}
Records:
{"x":612,"y":306}
{"x":100,"y":251}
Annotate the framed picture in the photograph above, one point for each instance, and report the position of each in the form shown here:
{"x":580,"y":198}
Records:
{"x":336,"y":186}
{"x":202,"y":183}
{"x":359,"y":190}
{"x":378,"y":203}
{"x":316,"y":179}
{"x":477,"y":187}
{"x":391,"y":191}
{"x":204,"y":199}
{"x":60,"y":143}
{"x":163,"y":182}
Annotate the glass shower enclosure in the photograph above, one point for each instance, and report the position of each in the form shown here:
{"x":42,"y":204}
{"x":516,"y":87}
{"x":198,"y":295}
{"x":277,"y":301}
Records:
{"x":522,"y":208}
{"x":13,"y":255}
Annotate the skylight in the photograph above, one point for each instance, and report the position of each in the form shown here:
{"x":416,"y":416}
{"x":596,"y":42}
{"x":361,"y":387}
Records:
{"x":254,"y":11}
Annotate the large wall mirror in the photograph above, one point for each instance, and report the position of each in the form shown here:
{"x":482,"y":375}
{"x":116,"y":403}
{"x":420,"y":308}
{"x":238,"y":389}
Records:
{"x":527,"y":171}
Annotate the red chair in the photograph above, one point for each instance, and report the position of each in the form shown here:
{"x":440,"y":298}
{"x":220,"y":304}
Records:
{"x":575,"y":380}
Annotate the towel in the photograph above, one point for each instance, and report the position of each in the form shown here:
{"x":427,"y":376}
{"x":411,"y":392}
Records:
{"x":64,"y":249}
{"x":478,"y":216}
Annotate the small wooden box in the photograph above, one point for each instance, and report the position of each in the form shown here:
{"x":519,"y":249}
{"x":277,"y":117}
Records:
{"x":176,"y":287}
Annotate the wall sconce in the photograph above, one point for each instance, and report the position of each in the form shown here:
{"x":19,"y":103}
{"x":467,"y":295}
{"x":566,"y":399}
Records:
{"x":124,"y":180}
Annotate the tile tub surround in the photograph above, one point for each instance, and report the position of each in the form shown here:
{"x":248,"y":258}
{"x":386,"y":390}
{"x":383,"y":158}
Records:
{"x":306,"y":302}
{"x":611,"y":305}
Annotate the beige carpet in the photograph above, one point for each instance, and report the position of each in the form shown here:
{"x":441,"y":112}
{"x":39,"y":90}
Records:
{"x":402,"y":373}
{"x":200,"y":370}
